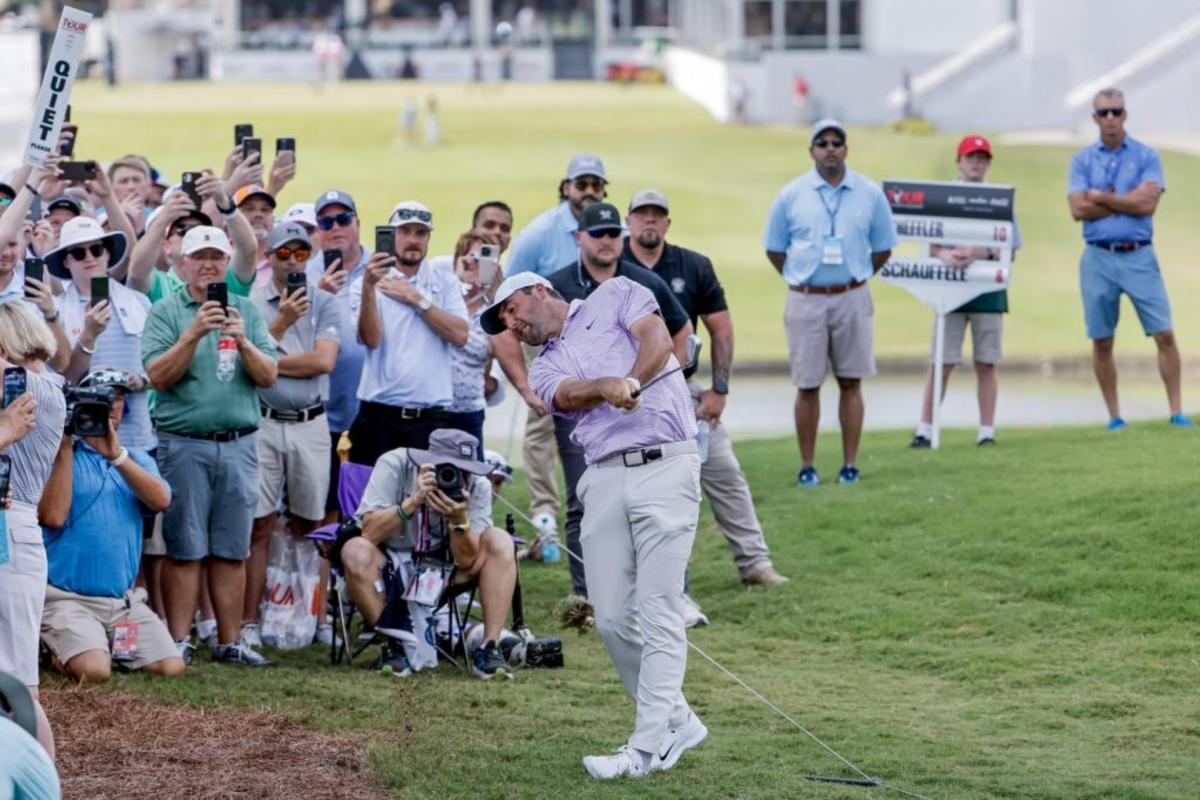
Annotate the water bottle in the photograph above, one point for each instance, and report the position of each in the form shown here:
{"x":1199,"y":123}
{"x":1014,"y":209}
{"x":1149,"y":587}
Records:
{"x":703,"y":428}
{"x":227,"y":356}
{"x":550,"y":553}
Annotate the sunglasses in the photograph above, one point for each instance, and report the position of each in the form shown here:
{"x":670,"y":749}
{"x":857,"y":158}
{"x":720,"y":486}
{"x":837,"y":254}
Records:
{"x":5,"y":201}
{"x":342,"y":220}
{"x":403,"y":214}
{"x":583,"y":184}
{"x":81,"y":253}
{"x":300,"y":253}
{"x":1110,"y":112}
{"x":606,"y":233}
{"x":820,"y":144}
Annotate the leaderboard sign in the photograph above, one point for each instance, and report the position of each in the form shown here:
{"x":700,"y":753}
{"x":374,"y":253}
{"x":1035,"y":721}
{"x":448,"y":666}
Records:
{"x":966,"y":235}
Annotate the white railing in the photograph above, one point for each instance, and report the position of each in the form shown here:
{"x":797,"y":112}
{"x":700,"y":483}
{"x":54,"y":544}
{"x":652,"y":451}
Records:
{"x":997,"y":38}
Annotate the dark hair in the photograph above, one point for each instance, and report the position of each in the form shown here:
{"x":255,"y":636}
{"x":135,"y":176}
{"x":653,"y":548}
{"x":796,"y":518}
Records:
{"x":500,"y":204}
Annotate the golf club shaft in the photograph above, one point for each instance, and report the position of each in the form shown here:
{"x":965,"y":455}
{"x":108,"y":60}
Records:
{"x":656,"y":379}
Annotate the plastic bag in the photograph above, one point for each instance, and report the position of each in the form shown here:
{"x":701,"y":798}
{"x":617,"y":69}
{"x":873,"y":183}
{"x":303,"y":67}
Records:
{"x":289,"y":613}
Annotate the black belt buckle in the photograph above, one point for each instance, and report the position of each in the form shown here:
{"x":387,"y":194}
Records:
{"x":644,"y":456}
{"x":410,"y":413}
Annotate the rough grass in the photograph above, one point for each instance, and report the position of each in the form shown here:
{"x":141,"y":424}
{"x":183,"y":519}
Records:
{"x":1014,"y":622}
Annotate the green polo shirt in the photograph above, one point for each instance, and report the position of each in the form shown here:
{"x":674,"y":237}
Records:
{"x":165,"y":281}
{"x":198,"y":402}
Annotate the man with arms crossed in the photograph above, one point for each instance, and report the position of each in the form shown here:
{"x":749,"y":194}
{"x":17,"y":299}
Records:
{"x":641,"y":491}
{"x":1114,"y":187}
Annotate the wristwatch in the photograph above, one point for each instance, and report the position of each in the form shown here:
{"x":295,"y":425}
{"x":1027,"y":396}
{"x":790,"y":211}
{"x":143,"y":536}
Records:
{"x":425,"y":304}
{"x":720,"y":387}
{"x":459,"y":528}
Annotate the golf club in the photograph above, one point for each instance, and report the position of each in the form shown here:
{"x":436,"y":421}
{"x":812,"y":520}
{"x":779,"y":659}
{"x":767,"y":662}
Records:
{"x":692,"y":350}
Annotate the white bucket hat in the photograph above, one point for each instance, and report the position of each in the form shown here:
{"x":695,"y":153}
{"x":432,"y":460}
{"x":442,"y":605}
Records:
{"x":82,"y":230}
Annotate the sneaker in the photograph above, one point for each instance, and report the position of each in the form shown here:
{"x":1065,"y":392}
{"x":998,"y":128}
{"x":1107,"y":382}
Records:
{"x":626,"y":762}
{"x":241,"y":654}
{"x":1181,"y":421}
{"x":187,"y":650}
{"x":678,"y":741}
{"x":1116,"y":424}
{"x":848,"y":474}
{"x":920,"y":442}
{"x":206,"y":631}
{"x":808,"y":477}
{"x":487,"y":662}
{"x":987,"y":440}
{"x":324,"y":635}
{"x":392,"y":661}
{"x":767,"y":576}
{"x":252,"y":634}
{"x":693,"y":617}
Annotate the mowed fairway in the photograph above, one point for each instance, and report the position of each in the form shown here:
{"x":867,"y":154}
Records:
{"x":513,"y":143}
{"x":1015,"y":622}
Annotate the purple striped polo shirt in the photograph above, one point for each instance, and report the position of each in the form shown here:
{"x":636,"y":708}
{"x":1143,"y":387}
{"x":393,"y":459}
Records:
{"x":596,"y":342}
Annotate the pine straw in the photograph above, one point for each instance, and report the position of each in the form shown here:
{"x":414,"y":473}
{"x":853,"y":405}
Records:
{"x":116,"y":745}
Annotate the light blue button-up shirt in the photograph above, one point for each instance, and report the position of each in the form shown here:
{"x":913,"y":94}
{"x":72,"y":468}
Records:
{"x":546,"y":244}
{"x":808,"y":210}
{"x":1118,"y":171}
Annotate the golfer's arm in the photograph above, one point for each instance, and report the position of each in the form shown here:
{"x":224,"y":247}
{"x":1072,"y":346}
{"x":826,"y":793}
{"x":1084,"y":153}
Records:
{"x":512,"y":361}
{"x":654,"y":347}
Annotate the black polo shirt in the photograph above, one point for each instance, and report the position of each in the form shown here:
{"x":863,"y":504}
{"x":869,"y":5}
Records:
{"x":690,"y":277}
{"x":574,"y":283}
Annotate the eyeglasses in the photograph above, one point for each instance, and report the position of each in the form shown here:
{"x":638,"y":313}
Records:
{"x":342,"y":220}
{"x":583,"y":184}
{"x":81,"y":253}
{"x":1110,"y":112}
{"x":403,"y":214}
{"x":606,"y":233}
{"x":823,"y":143}
{"x":300,"y":253}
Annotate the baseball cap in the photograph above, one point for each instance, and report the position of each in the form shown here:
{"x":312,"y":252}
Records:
{"x":586,"y":164}
{"x":648,"y":197}
{"x":974,"y":144}
{"x":332,"y":197}
{"x":499,"y":465}
{"x":827,"y":124}
{"x":246,"y":192}
{"x":205,"y":237}
{"x":303,"y":213}
{"x":8,"y":190}
{"x":64,"y":201}
{"x":410,"y":212}
{"x":286,"y":232}
{"x":600,"y":217}
{"x":104,"y":376}
{"x":490,"y":320}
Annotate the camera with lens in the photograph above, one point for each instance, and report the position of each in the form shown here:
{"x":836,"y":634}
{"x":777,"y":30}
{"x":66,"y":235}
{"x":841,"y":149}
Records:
{"x":88,"y":410}
{"x":449,"y":480}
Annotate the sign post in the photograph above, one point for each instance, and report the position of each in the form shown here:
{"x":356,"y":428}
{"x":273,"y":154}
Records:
{"x":965,"y":232}
{"x":50,"y":111}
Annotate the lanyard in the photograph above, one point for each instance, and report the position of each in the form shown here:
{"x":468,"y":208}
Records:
{"x":832,"y":211}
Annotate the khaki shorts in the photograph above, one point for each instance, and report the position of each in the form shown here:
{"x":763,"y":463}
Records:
{"x":22,"y":591}
{"x":987,"y":329}
{"x":830,"y":331}
{"x":297,"y":452}
{"x":73,"y":624}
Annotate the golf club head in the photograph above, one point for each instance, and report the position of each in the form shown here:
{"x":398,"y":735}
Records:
{"x":692,"y":350}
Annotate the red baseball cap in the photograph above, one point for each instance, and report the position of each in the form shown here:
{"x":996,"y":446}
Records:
{"x":974,"y":144}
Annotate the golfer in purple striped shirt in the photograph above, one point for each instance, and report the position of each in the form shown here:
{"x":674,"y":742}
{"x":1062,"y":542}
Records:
{"x":640,"y":494}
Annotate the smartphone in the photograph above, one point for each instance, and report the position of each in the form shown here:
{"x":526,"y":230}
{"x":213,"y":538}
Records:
{"x":489,"y":264}
{"x":287,"y":144}
{"x":76,"y":171}
{"x":332,"y":256}
{"x":242,"y":131}
{"x":217,"y":290}
{"x":296,"y":280}
{"x":5,"y":477}
{"x":34,"y":268}
{"x":385,"y":239}
{"x":14,"y":384}
{"x":67,"y":148}
{"x":35,"y":209}
{"x":252,"y":146}
{"x":67,"y":118}
{"x":188,"y":184}
{"x":99,"y":290}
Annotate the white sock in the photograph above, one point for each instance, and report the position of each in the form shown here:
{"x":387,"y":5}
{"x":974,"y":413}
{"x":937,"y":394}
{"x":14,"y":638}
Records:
{"x":925,"y":429}
{"x":986,"y":432}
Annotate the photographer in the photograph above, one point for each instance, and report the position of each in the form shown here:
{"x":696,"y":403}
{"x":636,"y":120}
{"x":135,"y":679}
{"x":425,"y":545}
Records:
{"x":207,"y":437}
{"x":91,"y":513}
{"x":25,"y":342}
{"x":411,"y":507}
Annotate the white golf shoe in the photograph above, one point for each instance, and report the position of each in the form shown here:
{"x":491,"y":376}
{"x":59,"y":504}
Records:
{"x":625,"y":762}
{"x":679,"y":740}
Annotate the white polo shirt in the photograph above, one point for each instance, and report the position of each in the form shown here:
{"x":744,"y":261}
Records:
{"x":411,"y":368}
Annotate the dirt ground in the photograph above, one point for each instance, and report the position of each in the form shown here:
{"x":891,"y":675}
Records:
{"x":115,"y":745}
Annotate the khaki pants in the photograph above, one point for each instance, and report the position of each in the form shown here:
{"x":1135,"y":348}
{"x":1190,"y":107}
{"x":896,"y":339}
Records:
{"x":638,"y":527}
{"x":728,"y":492}
{"x":540,"y":454}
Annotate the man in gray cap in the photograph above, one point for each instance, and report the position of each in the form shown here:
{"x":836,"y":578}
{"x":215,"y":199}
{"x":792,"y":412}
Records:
{"x":544,"y":246}
{"x":827,"y":233}
{"x":293,"y":439}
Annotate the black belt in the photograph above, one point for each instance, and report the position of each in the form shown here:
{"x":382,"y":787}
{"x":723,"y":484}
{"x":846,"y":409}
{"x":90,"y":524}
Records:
{"x":294,"y":415}
{"x":215,"y":436}
{"x":839,"y":288}
{"x":1120,"y":247}
{"x":436,"y":412}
